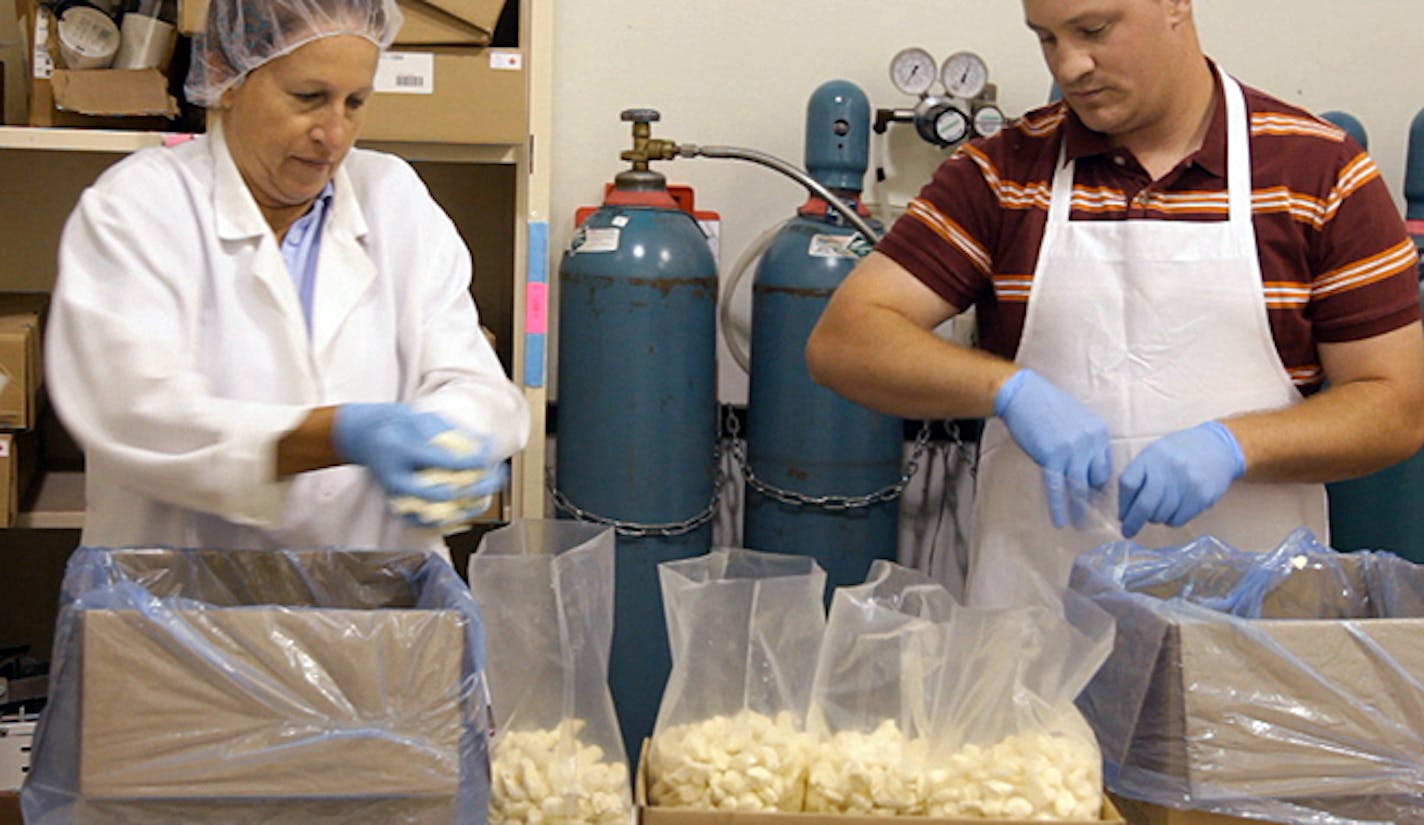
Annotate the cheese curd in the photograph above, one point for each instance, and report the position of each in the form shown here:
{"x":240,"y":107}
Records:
{"x":880,"y":773}
{"x":745,"y":762}
{"x":1033,"y":775}
{"x":455,"y":510}
{"x":548,"y":777}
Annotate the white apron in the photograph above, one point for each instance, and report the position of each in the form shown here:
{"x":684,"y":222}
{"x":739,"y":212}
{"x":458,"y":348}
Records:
{"x":1156,"y":326}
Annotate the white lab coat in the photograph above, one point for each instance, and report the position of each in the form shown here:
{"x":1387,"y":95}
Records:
{"x":177,"y":354}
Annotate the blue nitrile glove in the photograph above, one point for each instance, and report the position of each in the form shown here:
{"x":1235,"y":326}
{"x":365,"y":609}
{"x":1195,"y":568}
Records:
{"x":1066,"y":438}
{"x":1178,"y":476}
{"x":393,"y":442}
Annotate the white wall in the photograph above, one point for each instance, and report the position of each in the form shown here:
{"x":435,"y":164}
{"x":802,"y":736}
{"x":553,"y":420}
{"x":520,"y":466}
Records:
{"x":739,"y":72}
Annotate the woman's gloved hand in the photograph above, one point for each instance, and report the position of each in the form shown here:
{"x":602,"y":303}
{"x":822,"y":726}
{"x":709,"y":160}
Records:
{"x":1065,"y":438}
{"x":1178,"y":476}
{"x":403,"y":450}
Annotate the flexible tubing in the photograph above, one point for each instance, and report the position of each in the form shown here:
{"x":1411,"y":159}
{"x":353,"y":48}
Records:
{"x":724,"y":307}
{"x":692,"y":150}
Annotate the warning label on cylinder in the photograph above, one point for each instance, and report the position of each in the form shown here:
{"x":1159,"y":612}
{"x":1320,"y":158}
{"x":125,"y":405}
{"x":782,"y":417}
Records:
{"x":596,"y":240}
{"x":838,"y":246}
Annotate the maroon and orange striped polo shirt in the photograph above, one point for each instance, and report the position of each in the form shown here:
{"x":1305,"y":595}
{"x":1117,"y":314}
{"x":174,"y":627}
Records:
{"x":1335,"y":258}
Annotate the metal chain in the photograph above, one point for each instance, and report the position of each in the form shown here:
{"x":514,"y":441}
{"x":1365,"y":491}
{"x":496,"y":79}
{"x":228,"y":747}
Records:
{"x":731,"y":444}
{"x":832,"y":503}
{"x":634,"y":529}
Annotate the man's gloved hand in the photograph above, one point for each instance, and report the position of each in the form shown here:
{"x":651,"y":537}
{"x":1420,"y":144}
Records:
{"x":403,"y":450}
{"x":1178,"y":476}
{"x":1067,"y":439}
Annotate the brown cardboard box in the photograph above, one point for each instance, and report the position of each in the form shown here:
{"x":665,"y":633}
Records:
{"x":10,"y":808}
{"x":94,"y":98}
{"x":325,"y":704}
{"x":429,"y":25}
{"x":14,"y":35}
{"x":449,"y":95}
{"x":21,"y":326}
{"x":1143,"y":813}
{"x":438,"y":22}
{"x":1205,"y":670}
{"x":651,"y":815}
{"x":17,"y":471}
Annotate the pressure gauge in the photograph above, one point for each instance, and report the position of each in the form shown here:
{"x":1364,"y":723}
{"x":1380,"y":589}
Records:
{"x":912,"y":71}
{"x":964,"y":75}
{"x":988,"y":120}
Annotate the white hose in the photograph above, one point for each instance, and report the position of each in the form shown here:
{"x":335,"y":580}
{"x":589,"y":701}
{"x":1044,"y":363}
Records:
{"x":729,"y":324}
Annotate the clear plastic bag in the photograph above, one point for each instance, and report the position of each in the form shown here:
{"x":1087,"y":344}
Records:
{"x":922,"y":707}
{"x":547,"y":588}
{"x":291,"y":687}
{"x":744,"y":629}
{"x":1305,"y":704}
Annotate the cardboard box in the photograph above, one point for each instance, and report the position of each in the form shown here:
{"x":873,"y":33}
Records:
{"x":1143,"y":813}
{"x":10,"y":808}
{"x":94,"y":98}
{"x":652,"y":815}
{"x":295,"y":703}
{"x":438,"y":22}
{"x":449,"y":95}
{"x":21,"y":371}
{"x":1206,"y":672}
{"x":14,"y":36}
{"x":1236,"y":714}
{"x":428,"y":24}
{"x":17,"y":472}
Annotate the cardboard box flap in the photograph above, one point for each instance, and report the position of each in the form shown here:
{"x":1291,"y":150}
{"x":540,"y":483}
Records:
{"x":482,"y":14}
{"x":426,"y":25}
{"x":113,"y":92}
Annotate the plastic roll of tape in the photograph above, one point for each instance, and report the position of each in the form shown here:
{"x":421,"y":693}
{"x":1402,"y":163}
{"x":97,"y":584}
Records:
{"x":88,"y":38}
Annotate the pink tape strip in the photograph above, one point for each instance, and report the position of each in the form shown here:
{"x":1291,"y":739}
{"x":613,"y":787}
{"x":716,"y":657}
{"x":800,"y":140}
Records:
{"x":536,"y":308}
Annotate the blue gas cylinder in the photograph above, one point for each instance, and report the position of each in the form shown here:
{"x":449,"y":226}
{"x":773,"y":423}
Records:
{"x":636,"y":418}
{"x":802,"y":437}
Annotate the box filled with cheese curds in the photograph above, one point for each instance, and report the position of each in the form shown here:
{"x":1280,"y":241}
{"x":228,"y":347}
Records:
{"x":657,"y":815}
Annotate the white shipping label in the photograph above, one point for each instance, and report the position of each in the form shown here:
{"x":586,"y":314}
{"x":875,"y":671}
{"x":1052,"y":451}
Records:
{"x":838,"y":246}
{"x":509,"y":61}
{"x":409,"y":73}
{"x":596,"y":240}
{"x":42,"y":62}
{"x":5,"y":447}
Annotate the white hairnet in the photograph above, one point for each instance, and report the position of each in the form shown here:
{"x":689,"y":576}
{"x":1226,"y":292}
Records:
{"x":243,"y":34}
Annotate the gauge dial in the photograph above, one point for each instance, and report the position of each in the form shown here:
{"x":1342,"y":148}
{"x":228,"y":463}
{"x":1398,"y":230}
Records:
{"x":964,"y":75}
{"x":912,"y":71}
{"x":988,"y":120}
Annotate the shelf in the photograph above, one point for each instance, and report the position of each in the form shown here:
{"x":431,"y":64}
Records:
{"x":106,"y":140}
{"x":77,"y":140}
{"x":57,"y":504}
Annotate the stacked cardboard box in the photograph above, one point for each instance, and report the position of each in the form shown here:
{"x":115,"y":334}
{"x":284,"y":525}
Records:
{"x":21,"y":377}
{"x":89,"y":98}
{"x":441,"y":81}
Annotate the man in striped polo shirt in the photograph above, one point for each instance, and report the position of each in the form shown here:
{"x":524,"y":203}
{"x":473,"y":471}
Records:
{"x":1166,"y":269}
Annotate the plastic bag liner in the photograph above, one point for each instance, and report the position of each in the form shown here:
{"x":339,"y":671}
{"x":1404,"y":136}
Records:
{"x":234,"y":686}
{"x":547,"y":591}
{"x":1286,"y":686}
{"x":744,"y":628}
{"x":923,"y":707}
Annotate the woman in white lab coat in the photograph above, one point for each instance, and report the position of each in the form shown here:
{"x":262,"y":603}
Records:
{"x":256,"y":333}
